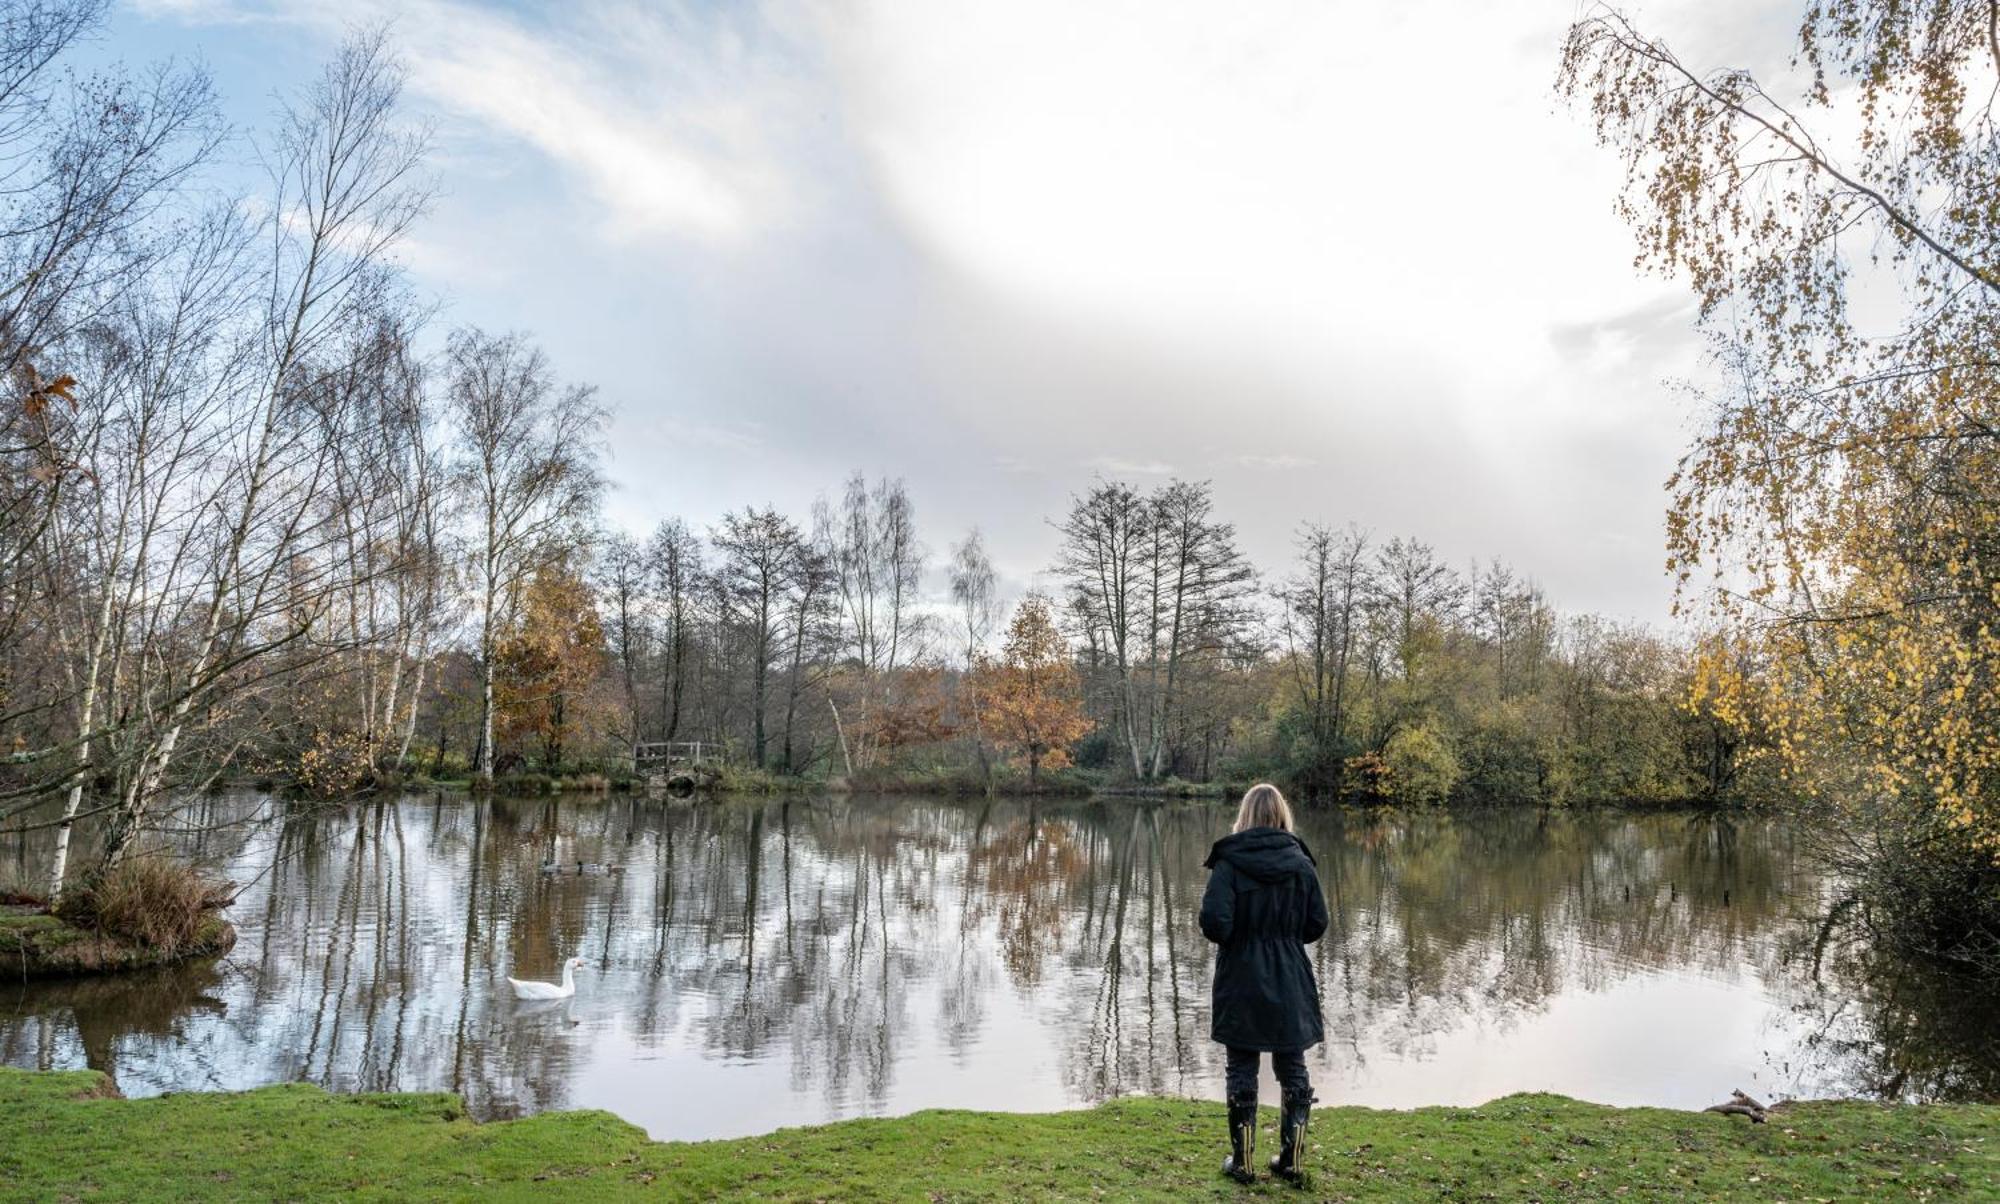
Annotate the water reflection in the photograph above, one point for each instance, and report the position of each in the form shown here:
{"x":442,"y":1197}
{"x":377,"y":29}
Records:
{"x":750,"y":965}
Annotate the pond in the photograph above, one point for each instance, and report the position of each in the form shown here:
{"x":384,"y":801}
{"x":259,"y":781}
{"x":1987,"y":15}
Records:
{"x":755,"y":964}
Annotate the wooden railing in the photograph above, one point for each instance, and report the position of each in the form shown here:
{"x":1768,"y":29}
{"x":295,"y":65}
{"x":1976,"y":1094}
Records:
{"x":666,"y":754}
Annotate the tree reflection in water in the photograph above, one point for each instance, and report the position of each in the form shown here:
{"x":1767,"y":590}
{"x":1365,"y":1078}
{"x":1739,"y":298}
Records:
{"x":752,"y":964}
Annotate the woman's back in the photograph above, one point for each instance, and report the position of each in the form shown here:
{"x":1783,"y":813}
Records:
{"x":1262,"y":906}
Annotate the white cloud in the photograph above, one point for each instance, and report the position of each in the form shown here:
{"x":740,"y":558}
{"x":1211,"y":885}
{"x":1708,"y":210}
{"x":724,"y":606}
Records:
{"x":204,"y":12}
{"x":1300,"y":178}
{"x":663,"y":130}
{"x":1120,"y":466}
{"x":734,"y":437}
{"x":668,"y":118}
{"x":1277,"y":462}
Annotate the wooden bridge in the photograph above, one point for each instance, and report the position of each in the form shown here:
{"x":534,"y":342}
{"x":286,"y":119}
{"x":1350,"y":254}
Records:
{"x":677,"y":765}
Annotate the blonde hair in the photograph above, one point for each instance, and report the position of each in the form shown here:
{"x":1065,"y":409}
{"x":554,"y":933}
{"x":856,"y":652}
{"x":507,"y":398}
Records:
{"x":1263,"y":807}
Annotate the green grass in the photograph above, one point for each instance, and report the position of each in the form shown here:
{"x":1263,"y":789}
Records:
{"x":66,"y":1141}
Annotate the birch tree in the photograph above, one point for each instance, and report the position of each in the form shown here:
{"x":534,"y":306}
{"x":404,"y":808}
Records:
{"x":972,"y":592}
{"x":527,"y":474}
{"x":157,"y":409}
{"x":243,"y":576}
{"x":877,"y":562}
{"x":1837,"y":512}
{"x":87,"y":163}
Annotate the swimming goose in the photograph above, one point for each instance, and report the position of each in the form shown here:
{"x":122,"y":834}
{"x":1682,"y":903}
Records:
{"x":549,"y":990}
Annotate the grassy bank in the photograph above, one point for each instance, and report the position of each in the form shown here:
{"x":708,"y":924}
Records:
{"x":147,"y":912}
{"x":35,"y":944}
{"x":69,"y":1142}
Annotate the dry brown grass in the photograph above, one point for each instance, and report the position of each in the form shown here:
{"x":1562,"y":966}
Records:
{"x":152,"y":900}
{"x":17,"y":891}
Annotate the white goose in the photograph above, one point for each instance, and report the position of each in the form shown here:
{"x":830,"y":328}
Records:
{"x":549,"y":990}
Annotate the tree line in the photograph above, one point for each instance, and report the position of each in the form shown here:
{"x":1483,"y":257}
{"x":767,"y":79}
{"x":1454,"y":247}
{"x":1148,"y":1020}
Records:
{"x":837,"y":646}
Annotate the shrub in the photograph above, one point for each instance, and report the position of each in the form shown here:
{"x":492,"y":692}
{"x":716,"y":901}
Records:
{"x":1502,"y":764}
{"x":1930,"y":891}
{"x":523,"y":784}
{"x":1422,"y":766}
{"x":1368,"y":777}
{"x":152,"y":900}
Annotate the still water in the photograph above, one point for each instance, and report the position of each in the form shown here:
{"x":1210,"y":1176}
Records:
{"x":750,"y":965}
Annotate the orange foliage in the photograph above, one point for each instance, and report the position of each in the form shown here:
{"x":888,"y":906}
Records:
{"x":1029,"y":700}
{"x":917,"y":711}
{"x":546,"y":663}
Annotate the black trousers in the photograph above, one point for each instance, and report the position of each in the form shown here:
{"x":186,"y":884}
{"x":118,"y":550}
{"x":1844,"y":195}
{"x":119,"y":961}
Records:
{"x":1289,"y":1065}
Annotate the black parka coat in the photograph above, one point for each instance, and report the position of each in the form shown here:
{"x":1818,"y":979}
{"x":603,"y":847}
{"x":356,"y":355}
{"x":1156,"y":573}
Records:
{"x":1263,"y":906}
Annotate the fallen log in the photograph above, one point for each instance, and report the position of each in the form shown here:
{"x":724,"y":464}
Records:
{"x":1740,"y":1104}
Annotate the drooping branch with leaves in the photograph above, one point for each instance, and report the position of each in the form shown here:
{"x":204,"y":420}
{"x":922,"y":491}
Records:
{"x":1839,"y":514}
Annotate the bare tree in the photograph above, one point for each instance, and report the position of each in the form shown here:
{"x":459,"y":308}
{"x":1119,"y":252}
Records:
{"x":877,"y":561}
{"x":1418,"y":595}
{"x":421,"y":565}
{"x":86,"y":166}
{"x":110,"y":559}
{"x":762,"y":555}
{"x":528,"y":473}
{"x":1513,"y":618}
{"x":623,"y":576}
{"x":674,"y":558}
{"x":343,"y":190}
{"x":1323,"y":602}
{"x":1155,"y":580}
{"x":813,"y":630}
{"x":1197,"y":585}
{"x":972,"y":590}
{"x":1103,"y":557}
{"x":386,"y":517}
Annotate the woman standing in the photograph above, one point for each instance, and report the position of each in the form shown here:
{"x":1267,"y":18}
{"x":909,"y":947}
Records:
{"x":1262,"y":908}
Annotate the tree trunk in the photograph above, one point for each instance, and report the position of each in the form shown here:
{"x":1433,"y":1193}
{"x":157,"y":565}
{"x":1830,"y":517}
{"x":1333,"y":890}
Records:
{"x":416,"y":699}
{"x":482,"y":759}
{"x":840,"y":732}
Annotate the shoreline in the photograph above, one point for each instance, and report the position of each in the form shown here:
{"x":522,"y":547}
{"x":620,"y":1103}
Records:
{"x":77,"y":1139}
{"x":773,"y":786}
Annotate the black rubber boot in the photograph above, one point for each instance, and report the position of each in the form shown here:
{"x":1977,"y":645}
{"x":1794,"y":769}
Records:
{"x":1242,"y":1142}
{"x":1292,"y":1137}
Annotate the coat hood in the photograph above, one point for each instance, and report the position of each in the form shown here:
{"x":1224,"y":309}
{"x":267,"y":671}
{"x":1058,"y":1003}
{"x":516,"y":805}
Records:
{"x":1266,"y":854}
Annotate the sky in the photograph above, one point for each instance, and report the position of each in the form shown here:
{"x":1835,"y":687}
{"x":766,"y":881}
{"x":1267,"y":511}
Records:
{"x":1351,"y":263}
